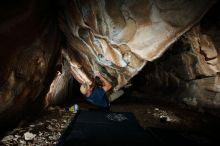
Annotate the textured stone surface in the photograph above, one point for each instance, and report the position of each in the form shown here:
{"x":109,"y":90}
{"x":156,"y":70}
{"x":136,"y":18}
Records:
{"x":115,"y":37}
{"x":119,"y":37}
{"x":188,"y":71}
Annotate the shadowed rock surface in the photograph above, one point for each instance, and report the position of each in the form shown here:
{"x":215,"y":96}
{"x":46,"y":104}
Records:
{"x":30,"y":41}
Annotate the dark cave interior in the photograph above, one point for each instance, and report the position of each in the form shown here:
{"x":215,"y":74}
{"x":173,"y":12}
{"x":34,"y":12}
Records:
{"x":178,"y":90}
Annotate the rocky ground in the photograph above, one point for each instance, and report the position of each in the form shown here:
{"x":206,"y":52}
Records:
{"x":48,"y":127}
{"x":42,"y":132}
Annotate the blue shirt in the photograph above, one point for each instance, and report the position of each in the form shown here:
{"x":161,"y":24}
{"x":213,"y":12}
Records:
{"x":99,"y":98}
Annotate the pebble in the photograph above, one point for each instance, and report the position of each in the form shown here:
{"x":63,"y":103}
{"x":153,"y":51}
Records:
{"x":8,"y":138}
{"x":29,"y":136}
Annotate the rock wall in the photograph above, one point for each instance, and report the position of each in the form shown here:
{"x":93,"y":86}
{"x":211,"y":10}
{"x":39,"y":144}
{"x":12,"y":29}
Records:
{"x":29,"y":42}
{"x":189,"y":71}
{"x":117,"y":38}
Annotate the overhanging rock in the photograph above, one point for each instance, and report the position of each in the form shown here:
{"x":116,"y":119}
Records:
{"x":119,"y":37}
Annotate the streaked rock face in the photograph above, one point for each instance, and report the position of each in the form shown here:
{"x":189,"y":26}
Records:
{"x":116,"y":37}
{"x":119,"y":37}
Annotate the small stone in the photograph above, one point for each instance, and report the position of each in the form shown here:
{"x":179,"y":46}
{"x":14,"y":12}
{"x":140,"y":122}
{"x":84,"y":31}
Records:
{"x":52,"y":137}
{"x":54,"y":120}
{"x":156,"y":109}
{"x":15,"y":139}
{"x":29,"y":136}
{"x":49,"y":127}
{"x":40,"y":123}
{"x":169,"y":119}
{"x":32,"y":125}
{"x":22,"y":142}
{"x":17,"y":136}
{"x":7,"y":138}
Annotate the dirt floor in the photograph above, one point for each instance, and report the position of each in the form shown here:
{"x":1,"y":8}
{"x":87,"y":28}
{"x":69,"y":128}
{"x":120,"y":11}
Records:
{"x":48,"y":127}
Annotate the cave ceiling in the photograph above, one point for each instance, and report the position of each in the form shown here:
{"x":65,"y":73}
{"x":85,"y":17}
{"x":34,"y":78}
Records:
{"x":118,"y":38}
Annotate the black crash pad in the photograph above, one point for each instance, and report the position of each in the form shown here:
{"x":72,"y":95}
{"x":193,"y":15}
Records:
{"x":104,"y":128}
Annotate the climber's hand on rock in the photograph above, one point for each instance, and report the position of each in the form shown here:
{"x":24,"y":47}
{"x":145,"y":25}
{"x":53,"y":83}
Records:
{"x":97,"y":74}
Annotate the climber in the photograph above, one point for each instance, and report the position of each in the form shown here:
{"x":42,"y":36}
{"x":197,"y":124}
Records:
{"x":96,"y":94}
